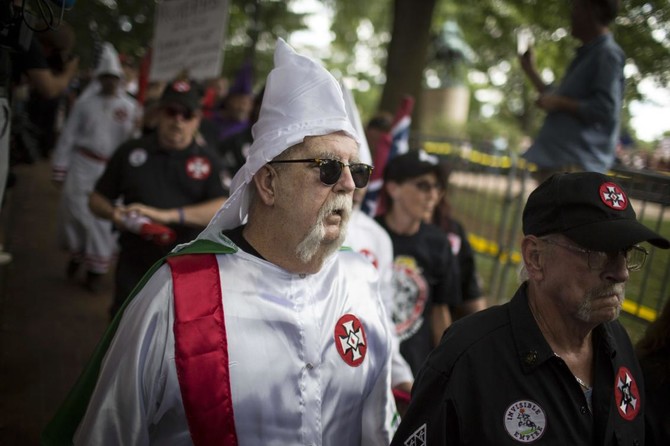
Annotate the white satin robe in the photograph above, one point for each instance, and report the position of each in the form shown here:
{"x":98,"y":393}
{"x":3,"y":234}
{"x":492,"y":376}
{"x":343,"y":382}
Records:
{"x":290,"y":386}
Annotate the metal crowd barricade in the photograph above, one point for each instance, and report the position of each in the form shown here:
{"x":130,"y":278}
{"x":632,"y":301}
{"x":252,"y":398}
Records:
{"x":487,"y":191}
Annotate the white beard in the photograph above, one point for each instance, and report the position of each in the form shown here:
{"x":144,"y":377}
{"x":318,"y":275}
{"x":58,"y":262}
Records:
{"x":313,"y":243}
{"x":584,"y":312}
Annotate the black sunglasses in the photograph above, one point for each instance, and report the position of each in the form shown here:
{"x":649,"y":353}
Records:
{"x":330,"y":170}
{"x":173,"y":111}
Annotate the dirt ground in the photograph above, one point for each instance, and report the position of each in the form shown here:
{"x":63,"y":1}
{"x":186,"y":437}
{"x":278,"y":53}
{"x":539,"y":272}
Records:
{"x":48,"y":326}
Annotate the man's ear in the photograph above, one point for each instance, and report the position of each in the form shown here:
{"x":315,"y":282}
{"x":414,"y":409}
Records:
{"x":265,"y":183}
{"x":532,"y":256}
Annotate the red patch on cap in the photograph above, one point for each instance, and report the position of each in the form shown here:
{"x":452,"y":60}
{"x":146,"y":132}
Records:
{"x":613,"y":196}
{"x":198,"y":167}
{"x":181,"y":86}
{"x":626,"y":394}
{"x":350,"y":340}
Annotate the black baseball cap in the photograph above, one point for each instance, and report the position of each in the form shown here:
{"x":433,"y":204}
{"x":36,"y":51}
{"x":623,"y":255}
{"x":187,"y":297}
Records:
{"x":413,"y":164}
{"x":182,"y":92}
{"x":589,"y":208}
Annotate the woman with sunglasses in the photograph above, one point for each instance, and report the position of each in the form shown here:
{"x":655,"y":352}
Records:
{"x":426,"y":278}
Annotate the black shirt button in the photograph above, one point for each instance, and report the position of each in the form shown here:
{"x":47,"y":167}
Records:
{"x":636,"y":443}
{"x":531,"y":357}
{"x":583,"y":410}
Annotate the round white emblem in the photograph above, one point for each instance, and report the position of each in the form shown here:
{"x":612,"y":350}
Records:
{"x":137,"y":157}
{"x":525,"y":421}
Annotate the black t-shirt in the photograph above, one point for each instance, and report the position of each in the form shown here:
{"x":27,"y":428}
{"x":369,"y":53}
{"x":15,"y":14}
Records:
{"x":425,"y":272}
{"x":28,"y":60}
{"x":470,"y":287}
{"x":141,"y":172}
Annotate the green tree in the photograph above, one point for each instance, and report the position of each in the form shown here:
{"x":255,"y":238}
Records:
{"x":489,"y":26}
{"x":253,"y":26}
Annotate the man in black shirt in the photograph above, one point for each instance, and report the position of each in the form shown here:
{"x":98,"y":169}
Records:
{"x":552,"y":366}
{"x":167,"y":178}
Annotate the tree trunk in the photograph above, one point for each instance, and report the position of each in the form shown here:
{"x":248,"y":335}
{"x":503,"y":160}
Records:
{"x":407,"y":54}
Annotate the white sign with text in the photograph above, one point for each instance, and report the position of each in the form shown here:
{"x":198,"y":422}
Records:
{"x":188,"y":37}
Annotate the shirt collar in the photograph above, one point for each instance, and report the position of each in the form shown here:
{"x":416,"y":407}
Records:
{"x":531,"y":347}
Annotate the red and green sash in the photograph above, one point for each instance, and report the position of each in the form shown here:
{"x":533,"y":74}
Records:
{"x":60,"y":430}
{"x":201,"y":349}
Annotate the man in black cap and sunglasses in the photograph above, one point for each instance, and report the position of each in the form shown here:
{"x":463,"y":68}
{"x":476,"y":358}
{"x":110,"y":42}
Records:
{"x":553,"y":365}
{"x":170,"y":184}
{"x":261,"y":331}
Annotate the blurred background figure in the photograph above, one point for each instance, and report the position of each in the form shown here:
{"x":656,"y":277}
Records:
{"x":40,"y":67}
{"x":426,"y":279}
{"x":471,"y":289}
{"x":653,"y":351}
{"x":170,"y":184}
{"x":46,"y":70}
{"x":581,"y":128}
{"x":233,"y":112}
{"x":377,"y":127}
{"x":215,"y":91}
{"x":234,"y":149}
{"x":99,"y":122}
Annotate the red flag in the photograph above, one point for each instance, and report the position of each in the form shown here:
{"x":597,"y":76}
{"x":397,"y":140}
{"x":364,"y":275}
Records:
{"x":143,"y":77}
{"x":393,"y":143}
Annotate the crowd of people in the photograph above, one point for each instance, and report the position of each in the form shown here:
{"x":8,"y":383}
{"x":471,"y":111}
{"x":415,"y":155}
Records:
{"x":254,"y":301}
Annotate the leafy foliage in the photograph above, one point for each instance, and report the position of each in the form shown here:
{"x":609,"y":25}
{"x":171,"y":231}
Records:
{"x":489,"y":26}
{"x":253,"y":27}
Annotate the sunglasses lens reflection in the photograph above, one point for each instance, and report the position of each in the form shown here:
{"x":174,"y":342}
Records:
{"x":331,"y":170}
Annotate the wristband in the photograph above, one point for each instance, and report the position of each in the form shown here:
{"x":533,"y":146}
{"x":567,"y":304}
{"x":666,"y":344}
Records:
{"x":180,"y":211}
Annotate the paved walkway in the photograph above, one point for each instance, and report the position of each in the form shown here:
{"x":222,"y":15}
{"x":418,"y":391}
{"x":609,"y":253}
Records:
{"x":48,"y":326}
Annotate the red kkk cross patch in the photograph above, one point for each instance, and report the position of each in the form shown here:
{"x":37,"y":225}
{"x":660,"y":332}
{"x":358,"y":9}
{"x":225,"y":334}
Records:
{"x":626,"y":394}
{"x":613,"y":196}
{"x":198,"y":167}
{"x":350,"y":340}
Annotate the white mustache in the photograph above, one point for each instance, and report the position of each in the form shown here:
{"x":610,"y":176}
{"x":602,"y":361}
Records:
{"x":342,"y":203}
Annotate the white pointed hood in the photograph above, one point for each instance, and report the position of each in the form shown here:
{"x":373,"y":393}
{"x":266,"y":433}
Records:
{"x":301,"y":99}
{"x":109,"y":61}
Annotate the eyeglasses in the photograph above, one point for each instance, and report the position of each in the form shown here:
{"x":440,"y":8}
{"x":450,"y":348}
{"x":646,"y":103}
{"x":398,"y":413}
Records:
{"x":427,"y":186}
{"x":173,"y":112}
{"x":597,"y":260}
{"x":330,"y":170}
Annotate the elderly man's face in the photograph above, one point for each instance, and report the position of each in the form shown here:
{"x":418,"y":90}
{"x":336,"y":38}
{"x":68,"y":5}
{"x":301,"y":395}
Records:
{"x":177,"y":126}
{"x":316,"y":214}
{"x":589,"y":296}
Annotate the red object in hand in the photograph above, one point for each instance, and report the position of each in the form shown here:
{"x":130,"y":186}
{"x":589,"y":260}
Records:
{"x":159,"y":234}
{"x":148,"y":230}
